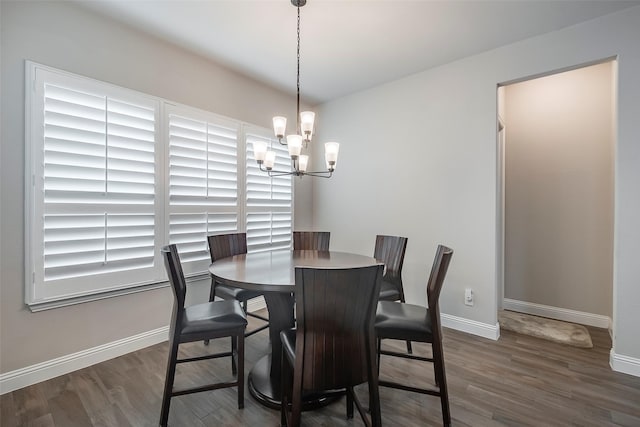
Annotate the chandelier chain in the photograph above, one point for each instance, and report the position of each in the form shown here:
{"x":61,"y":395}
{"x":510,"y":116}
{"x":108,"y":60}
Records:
{"x":298,"y":74}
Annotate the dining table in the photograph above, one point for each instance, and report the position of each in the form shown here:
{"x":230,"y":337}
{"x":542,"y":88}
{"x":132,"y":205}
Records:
{"x":273,"y":274}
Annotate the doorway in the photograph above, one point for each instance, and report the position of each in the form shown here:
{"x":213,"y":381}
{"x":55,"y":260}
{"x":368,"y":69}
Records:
{"x":556,"y":170}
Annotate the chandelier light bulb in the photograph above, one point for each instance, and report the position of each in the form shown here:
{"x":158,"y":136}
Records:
{"x":269,"y":159}
{"x":303,"y":160}
{"x":259,"y":150}
{"x":331,"y":153}
{"x":306,"y":124}
{"x":279,"y":126}
{"x":294,"y":143}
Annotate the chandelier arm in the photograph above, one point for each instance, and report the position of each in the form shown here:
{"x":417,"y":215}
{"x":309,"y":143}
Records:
{"x":274,"y":173}
{"x":319,"y":174}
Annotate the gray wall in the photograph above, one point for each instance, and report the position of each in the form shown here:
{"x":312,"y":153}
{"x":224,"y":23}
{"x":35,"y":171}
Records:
{"x":559,"y":190}
{"x":418,"y":158}
{"x":70,"y":38}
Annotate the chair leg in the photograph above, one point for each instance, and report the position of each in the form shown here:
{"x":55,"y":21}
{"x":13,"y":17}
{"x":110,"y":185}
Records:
{"x":168,"y":382}
{"x":283,"y":398}
{"x":374,"y":392}
{"x":441,"y":380}
{"x":409,"y":349}
{"x":240,"y":356}
{"x":212,"y":297}
{"x":212,"y":291}
{"x":285,"y":383}
{"x":349,"y":402}
{"x":234,"y":355}
{"x":378,"y":353}
{"x":296,"y":399}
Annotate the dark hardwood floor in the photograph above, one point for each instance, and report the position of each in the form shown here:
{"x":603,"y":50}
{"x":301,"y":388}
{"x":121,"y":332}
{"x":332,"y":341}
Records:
{"x":516,"y":381}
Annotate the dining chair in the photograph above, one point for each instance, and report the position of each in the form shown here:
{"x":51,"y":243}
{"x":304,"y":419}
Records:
{"x":311,"y":240}
{"x":227,"y":245}
{"x":210,"y":320}
{"x":390,"y":250}
{"x":401,"y":321}
{"x":333,"y":345}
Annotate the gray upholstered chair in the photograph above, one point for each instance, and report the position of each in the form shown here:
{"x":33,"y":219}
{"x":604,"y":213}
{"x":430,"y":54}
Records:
{"x":401,"y":321}
{"x":227,"y":245}
{"x":390,"y":250}
{"x":196,"y":323}
{"x":333,"y":345}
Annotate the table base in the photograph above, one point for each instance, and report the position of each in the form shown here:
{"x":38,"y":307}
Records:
{"x":267,"y":391}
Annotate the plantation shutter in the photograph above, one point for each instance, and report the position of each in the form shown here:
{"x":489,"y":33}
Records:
{"x":203,"y":182}
{"x":269,"y":199}
{"x":95,"y":169}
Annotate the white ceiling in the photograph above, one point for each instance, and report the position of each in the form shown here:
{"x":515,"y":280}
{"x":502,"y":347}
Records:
{"x":346,"y":45}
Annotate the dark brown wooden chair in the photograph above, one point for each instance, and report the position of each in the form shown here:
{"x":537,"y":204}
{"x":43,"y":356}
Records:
{"x":223,"y":246}
{"x":196,"y":323}
{"x":333,"y":346}
{"x":390,"y":250}
{"x":400,"y":321}
{"x":311,"y":240}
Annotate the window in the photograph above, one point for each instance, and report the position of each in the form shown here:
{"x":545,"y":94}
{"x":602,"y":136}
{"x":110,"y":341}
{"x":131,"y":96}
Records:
{"x":115,"y":174}
{"x":203,"y":182}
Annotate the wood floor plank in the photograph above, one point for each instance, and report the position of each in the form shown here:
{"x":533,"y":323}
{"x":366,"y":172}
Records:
{"x":67,"y":410}
{"x":515,"y":381}
{"x":7,"y":411}
{"x":43,"y":421}
{"x":31,"y":404}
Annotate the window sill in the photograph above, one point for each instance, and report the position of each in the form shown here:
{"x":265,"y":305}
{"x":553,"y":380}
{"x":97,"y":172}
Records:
{"x":49,"y":305}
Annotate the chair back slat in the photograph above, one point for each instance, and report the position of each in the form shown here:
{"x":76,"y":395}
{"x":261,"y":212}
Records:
{"x":311,"y":240}
{"x":335,"y":325}
{"x":226,"y":245}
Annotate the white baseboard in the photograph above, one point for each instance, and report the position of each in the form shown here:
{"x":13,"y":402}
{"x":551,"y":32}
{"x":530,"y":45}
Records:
{"x":573,"y":316}
{"x":624,"y":364}
{"x":33,"y":374}
{"x":484,"y":330}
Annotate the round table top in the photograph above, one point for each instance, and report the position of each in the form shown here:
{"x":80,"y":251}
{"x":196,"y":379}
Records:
{"x":274,"y":271}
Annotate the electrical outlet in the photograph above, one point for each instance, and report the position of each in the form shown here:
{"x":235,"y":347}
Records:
{"x":468,"y":297}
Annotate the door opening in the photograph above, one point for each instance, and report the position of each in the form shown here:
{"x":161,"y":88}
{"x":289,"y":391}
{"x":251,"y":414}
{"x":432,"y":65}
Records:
{"x":556,"y":139}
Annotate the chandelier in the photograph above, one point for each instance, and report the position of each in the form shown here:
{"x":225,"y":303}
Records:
{"x":295,"y":142}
